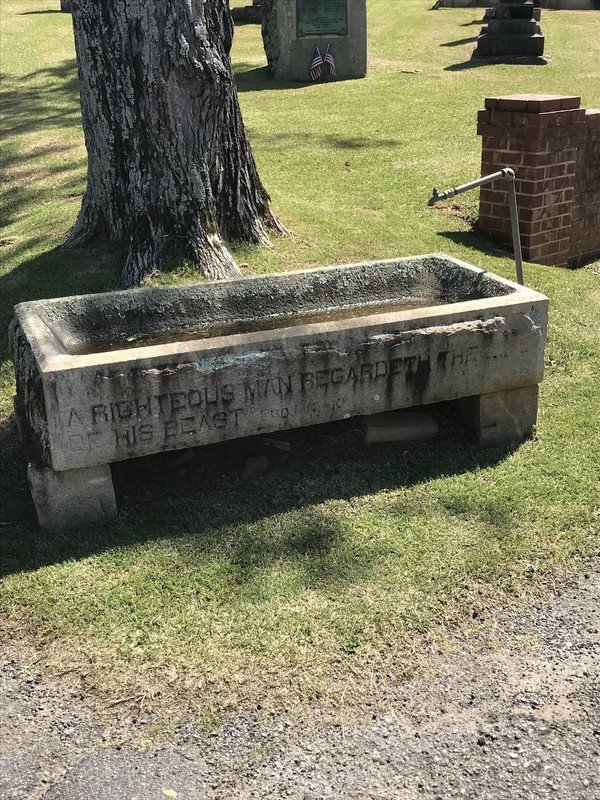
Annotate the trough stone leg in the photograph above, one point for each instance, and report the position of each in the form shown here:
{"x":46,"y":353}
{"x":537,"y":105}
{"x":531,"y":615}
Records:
{"x":507,"y":416}
{"x":74,"y":497}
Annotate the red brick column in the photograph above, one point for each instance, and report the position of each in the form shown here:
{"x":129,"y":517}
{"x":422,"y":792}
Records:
{"x":585,"y":230}
{"x":538,"y":136}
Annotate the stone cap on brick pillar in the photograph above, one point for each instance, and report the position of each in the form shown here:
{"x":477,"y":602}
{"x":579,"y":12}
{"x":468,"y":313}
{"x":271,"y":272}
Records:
{"x":534,"y":103}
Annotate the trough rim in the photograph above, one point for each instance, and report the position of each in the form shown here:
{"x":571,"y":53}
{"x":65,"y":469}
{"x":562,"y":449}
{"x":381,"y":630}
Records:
{"x":43,"y":340}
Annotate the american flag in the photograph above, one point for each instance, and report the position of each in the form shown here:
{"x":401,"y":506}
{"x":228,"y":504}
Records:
{"x":316,"y":65}
{"x":329,"y":62}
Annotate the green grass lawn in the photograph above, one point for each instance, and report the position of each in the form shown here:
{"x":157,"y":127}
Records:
{"x":322,"y":581}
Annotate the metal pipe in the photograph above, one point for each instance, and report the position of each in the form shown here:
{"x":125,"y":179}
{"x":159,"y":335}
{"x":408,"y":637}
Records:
{"x":514,"y":226}
{"x":508,"y":175}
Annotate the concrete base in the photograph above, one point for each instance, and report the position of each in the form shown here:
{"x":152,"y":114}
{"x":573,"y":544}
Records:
{"x":71,"y":498}
{"x":500,"y":417}
{"x":522,"y":60}
{"x":500,"y":45}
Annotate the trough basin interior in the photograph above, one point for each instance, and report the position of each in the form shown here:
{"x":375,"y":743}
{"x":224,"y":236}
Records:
{"x":162,"y":315}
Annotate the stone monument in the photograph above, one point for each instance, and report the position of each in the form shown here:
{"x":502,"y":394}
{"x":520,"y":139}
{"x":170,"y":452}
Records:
{"x":511,"y":32}
{"x":305,"y":26}
{"x":247,"y":14}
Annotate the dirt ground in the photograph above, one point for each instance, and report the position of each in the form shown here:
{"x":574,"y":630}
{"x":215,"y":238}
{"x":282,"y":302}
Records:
{"x":518,"y":718}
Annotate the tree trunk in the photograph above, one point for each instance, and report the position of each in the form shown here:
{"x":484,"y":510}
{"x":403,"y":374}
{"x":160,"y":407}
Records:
{"x":169,"y":163}
{"x":270,"y":35}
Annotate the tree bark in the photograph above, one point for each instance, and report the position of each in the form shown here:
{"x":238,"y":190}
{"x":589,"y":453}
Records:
{"x":169,"y":163}
{"x":270,"y":34}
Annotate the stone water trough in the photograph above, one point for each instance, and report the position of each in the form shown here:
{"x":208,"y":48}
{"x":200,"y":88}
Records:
{"x":107,"y":377}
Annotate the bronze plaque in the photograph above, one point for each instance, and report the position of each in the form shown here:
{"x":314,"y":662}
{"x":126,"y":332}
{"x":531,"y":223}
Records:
{"x":321,"y":18}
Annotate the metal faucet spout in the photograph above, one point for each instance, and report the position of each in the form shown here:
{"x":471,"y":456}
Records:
{"x":435,"y":196}
{"x":508,"y":175}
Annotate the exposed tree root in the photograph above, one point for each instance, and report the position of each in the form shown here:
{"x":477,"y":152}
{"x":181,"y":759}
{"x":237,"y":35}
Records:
{"x":213,"y":257}
{"x":86,"y":225}
{"x":146,"y":254}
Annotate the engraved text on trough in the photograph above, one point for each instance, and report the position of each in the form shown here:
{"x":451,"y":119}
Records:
{"x":195,"y":408}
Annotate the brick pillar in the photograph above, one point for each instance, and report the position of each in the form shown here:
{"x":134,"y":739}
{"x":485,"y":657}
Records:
{"x":585,"y":231}
{"x":538,"y":136}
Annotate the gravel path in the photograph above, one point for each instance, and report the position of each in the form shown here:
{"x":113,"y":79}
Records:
{"x":520,"y":721}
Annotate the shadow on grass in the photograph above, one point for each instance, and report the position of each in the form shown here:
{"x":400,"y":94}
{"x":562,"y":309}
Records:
{"x":477,"y":241}
{"x":472,"y":63}
{"x":459,"y":42}
{"x":240,"y":23}
{"x":57,"y":273}
{"x":26,"y":188}
{"x":203,"y":500}
{"x":45,"y":102}
{"x":328,"y":140}
{"x":45,"y":99}
{"x":258,"y":79}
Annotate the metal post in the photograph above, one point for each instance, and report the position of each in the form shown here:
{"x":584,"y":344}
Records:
{"x":514,"y":224}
